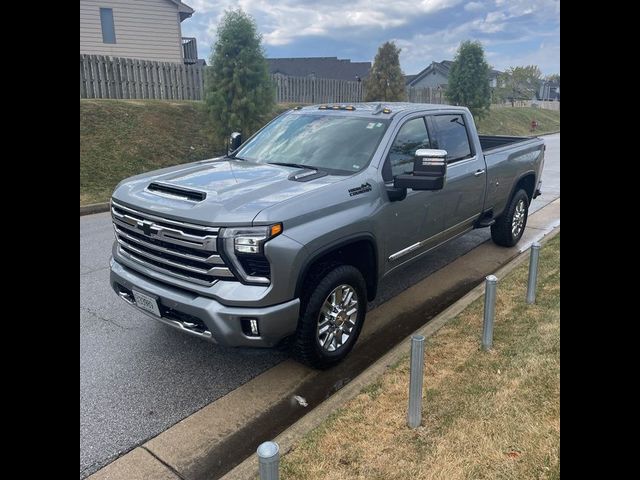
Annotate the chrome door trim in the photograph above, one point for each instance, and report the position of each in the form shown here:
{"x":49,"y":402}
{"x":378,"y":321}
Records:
{"x":422,"y":243}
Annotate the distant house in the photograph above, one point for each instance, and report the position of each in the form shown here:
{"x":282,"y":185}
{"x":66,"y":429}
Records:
{"x":319,"y":67}
{"x":548,"y":91}
{"x":140,"y":29}
{"x":436,"y":75}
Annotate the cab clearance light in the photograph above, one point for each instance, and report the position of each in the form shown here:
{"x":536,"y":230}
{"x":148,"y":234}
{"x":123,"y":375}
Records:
{"x":338,"y":107}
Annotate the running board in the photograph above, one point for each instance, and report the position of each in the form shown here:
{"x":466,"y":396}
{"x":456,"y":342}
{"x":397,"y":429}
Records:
{"x":486,"y":220}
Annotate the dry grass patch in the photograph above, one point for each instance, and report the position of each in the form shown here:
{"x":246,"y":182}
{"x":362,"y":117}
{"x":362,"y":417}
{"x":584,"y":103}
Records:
{"x":492,"y":415}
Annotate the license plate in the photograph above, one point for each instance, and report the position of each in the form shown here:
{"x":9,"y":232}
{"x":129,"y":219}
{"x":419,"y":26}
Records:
{"x":147,"y":302}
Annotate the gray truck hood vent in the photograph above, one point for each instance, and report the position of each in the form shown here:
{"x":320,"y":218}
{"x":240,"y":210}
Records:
{"x":307,"y":175}
{"x":176,"y":192}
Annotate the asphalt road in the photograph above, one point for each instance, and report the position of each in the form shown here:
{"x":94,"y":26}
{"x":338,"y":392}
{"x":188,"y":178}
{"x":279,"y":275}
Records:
{"x":138,"y":377}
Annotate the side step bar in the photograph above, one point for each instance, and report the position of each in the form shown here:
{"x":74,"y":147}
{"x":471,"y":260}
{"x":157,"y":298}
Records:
{"x":486,"y":220}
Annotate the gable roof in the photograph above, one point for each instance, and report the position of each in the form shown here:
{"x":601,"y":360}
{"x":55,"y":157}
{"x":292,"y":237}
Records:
{"x":443,"y":68}
{"x":319,"y":67}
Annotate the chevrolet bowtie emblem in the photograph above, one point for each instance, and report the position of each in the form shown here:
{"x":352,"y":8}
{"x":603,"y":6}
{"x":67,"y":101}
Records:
{"x":145,"y":226}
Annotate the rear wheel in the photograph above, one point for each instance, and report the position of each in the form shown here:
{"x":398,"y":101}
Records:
{"x":332,"y":316}
{"x":510,"y":226}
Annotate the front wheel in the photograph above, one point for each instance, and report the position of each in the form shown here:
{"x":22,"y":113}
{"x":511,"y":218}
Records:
{"x":509,"y":227}
{"x":331,"y":318}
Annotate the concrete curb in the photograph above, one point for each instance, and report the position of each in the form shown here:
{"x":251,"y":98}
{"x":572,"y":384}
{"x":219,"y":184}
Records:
{"x":248,"y":469}
{"x":94,"y":208}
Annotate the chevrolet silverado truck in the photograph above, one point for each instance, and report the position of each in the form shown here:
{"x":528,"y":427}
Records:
{"x":284,"y":240}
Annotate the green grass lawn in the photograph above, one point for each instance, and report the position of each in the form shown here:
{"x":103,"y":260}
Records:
{"x":486,"y":415}
{"x":120,"y":138}
{"x":517,"y":121}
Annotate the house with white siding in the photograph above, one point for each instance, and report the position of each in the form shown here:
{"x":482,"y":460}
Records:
{"x":436,"y":75}
{"x":140,"y":29}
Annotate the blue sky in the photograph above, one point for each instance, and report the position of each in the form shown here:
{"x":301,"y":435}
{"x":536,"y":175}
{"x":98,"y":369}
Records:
{"x":513,"y":32}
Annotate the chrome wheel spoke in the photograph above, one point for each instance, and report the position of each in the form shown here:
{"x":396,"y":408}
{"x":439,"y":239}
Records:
{"x":347,"y":297}
{"x":337,"y":318}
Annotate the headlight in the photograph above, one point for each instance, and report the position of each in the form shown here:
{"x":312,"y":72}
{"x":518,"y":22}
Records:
{"x":244,"y":243}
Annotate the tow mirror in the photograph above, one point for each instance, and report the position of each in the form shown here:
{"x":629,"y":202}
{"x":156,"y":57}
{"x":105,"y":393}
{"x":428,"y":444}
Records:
{"x":235,"y":140}
{"x":429,"y":171}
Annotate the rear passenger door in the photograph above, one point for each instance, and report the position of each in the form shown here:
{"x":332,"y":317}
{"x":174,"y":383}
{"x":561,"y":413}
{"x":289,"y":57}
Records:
{"x":462,"y":197}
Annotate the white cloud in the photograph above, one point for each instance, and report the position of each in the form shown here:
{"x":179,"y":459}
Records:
{"x":284,"y":21}
{"x":473,"y":6}
{"x":501,"y":25}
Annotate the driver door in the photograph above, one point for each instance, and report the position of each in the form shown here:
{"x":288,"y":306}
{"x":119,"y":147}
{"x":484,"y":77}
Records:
{"x":414,"y":219}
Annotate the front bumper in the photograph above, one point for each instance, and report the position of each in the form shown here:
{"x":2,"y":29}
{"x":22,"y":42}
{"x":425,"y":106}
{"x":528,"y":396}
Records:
{"x":205,"y":317}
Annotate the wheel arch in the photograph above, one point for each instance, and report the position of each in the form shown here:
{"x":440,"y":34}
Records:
{"x":359,"y":250}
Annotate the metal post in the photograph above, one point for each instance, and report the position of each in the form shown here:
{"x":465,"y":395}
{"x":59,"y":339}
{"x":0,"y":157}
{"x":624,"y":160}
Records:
{"x":489,"y":311}
{"x":269,"y":461}
{"x":533,"y":272}
{"x":414,"y":416}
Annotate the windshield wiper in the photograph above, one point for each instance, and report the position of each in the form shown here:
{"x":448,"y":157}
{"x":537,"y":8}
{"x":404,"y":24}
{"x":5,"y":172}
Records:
{"x":298,"y":165}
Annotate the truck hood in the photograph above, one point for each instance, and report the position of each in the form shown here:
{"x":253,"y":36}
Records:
{"x":236,"y":191}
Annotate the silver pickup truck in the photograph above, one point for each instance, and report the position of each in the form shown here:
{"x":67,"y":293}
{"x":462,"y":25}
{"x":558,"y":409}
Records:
{"x":288,"y":236}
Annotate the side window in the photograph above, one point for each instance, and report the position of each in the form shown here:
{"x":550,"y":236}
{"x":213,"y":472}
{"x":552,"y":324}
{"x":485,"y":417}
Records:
{"x":412,"y":136}
{"x":451,"y":135}
{"x":106,"y":22}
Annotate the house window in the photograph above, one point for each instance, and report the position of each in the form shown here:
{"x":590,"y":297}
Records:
{"x":108,"y":29}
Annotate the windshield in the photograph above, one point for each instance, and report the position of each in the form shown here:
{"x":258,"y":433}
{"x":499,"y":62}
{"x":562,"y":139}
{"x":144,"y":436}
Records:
{"x":336,"y":143}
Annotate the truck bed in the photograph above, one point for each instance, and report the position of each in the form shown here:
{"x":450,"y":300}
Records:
{"x":492,"y":142}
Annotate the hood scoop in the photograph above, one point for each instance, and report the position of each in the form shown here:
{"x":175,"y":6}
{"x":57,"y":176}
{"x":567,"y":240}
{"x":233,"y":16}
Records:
{"x":307,"y":175}
{"x":173,"y":191}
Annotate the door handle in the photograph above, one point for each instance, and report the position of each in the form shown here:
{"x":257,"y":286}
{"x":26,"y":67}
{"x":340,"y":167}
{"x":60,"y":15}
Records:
{"x":478,"y":173}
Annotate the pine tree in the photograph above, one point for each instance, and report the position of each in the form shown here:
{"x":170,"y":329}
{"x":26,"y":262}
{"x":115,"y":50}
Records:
{"x":239,"y":92}
{"x":469,"y":79}
{"x":386,"y":81}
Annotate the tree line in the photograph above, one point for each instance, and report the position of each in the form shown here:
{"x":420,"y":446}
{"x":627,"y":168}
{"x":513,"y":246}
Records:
{"x":240,"y":95}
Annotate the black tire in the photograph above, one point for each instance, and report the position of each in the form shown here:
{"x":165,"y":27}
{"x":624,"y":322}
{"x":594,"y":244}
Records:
{"x":320,"y":284}
{"x":502,"y":231}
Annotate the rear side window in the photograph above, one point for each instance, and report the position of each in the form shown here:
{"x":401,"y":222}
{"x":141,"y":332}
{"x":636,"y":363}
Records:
{"x":451,"y":135}
{"x":412,"y":136}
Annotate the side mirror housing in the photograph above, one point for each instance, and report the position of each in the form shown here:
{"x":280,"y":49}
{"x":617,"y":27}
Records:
{"x":235,"y":140}
{"x":429,"y":171}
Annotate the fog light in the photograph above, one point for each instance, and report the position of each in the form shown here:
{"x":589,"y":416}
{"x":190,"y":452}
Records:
{"x":250,"y":327}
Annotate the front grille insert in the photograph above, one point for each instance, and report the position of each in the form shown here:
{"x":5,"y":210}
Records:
{"x":255,"y":266}
{"x":183,"y":250}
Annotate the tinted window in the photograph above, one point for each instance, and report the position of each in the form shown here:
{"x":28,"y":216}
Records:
{"x":451,"y":135}
{"x":412,"y":136}
{"x":340,"y":143}
{"x":108,"y":29}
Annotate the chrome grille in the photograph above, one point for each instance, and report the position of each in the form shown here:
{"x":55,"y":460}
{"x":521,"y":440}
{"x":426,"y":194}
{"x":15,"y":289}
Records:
{"x":182,"y":250}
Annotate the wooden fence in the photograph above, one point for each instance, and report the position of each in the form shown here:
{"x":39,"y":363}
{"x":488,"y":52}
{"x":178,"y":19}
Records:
{"x":544,"y":104}
{"x":316,"y":90}
{"x":326,"y":90}
{"x":116,"y":77}
{"x":425,"y":95}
